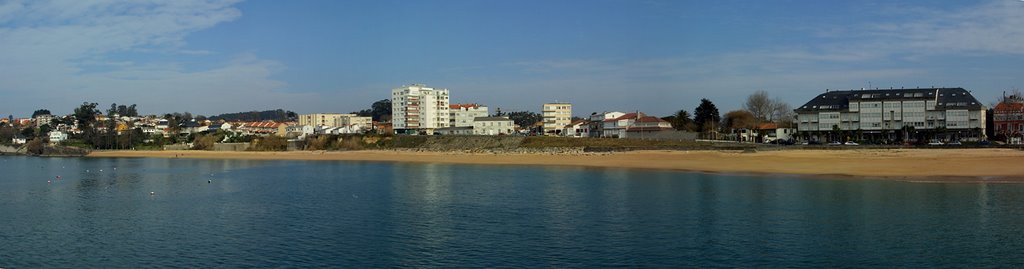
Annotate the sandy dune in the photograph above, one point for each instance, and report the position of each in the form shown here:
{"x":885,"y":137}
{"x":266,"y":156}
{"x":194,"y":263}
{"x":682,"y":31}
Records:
{"x":990,"y":165}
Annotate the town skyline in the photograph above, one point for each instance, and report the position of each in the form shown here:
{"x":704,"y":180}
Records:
{"x":213,"y":57}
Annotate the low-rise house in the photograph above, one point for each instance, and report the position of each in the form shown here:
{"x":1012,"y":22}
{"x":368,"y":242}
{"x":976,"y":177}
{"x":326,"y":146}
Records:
{"x":578,"y":128}
{"x":493,"y":126}
{"x":19,"y":140}
{"x":192,"y":127}
{"x":338,"y":130}
{"x":1008,"y":119}
{"x":647,"y":124}
{"x":260,"y":128}
{"x":22,"y":122}
{"x":633,"y":125}
{"x":57,"y":137}
{"x":162,"y":124}
{"x":462,"y":115}
{"x":596,"y":124}
{"x":298,"y":131}
{"x":772,"y":131}
{"x":464,"y":130}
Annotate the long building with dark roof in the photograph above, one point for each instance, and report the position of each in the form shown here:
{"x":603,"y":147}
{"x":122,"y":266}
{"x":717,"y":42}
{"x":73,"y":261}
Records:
{"x":882,"y":112}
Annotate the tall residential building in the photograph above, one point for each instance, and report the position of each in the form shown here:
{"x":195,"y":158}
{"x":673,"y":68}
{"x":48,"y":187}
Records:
{"x":556,"y":116}
{"x":888,"y":114}
{"x":353,"y":119}
{"x":462,"y":115}
{"x":321,"y":119}
{"x":1008,"y":119}
{"x":419,"y":109}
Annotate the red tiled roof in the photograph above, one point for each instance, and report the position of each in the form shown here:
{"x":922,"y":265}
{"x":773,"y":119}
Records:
{"x":623,"y":117}
{"x":1010,"y":107}
{"x":768,"y":126}
{"x":460,"y":106}
{"x":647,"y":129}
{"x":577,"y":122}
{"x":650,"y":119}
{"x":263,"y":124}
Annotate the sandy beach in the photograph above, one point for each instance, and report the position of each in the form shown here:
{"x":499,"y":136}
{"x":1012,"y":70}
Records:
{"x":989,"y":165}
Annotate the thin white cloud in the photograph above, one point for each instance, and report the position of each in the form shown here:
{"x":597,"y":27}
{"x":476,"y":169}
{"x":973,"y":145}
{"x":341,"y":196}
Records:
{"x":991,"y":27}
{"x":59,"y":53}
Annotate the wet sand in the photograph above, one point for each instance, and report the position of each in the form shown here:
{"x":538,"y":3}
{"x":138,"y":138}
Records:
{"x":924,"y":165}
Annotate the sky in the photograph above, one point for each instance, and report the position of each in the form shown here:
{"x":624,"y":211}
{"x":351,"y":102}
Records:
{"x":219,"y":56}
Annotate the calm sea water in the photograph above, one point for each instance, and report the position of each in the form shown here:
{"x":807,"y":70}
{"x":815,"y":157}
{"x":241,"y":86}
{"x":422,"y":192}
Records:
{"x":310,"y":214}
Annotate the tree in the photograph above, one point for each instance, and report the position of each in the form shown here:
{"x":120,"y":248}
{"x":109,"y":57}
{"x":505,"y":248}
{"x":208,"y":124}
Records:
{"x":381,"y":110}
{"x":204,"y":142}
{"x":40,"y":112}
{"x":132,"y":111}
{"x":783,"y":114}
{"x":760,"y":105}
{"x":7,"y":132}
{"x":112,"y":110}
{"x":766,"y":109}
{"x":681,"y":121}
{"x":739,"y":119}
{"x":35,"y":146}
{"x":706,"y":116}
{"x":28,"y":132}
{"x":44,"y":130}
{"x":524,"y":118}
{"x":86,"y":115}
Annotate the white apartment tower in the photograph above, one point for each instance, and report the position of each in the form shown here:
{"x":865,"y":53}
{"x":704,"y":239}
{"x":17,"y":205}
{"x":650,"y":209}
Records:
{"x":419,"y":109}
{"x":556,"y":116}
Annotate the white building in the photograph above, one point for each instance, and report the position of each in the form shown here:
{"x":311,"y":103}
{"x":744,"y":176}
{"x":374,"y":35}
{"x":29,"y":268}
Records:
{"x":597,"y":122}
{"x":578,"y":128}
{"x":43,"y":119}
{"x":462,"y":115}
{"x":57,"y":136}
{"x":633,"y":125}
{"x":887,"y":114}
{"x":321,"y":119}
{"x":771,"y":132}
{"x":298,"y":131}
{"x":419,"y":109}
{"x":351,"y":129}
{"x":555,"y":117}
{"x":493,"y":126}
{"x":353,"y":119}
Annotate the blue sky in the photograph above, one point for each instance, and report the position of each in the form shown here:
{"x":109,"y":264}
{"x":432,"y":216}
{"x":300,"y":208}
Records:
{"x":212,"y":56}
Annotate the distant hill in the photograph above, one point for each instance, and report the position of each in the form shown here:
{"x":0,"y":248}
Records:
{"x":274,"y":115}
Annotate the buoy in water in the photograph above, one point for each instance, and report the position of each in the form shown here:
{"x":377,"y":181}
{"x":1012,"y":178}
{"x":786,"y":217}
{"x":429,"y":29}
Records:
{"x":209,"y":181}
{"x":152,"y":193}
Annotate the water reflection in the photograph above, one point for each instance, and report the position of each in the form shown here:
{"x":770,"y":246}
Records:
{"x":365,"y":214}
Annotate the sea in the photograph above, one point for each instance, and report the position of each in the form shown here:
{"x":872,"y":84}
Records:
{"x":191,"y":213}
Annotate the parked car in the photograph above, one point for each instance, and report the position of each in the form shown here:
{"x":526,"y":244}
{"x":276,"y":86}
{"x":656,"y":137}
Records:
{"x":851,"y":143}
{"x":954,"y":143}
{"x":835,"y":143}
{"x":935,"y":143}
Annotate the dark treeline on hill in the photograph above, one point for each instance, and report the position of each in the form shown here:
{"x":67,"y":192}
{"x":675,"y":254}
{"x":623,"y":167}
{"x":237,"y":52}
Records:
{"x":274,"y":115}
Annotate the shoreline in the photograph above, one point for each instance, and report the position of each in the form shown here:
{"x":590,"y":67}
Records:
{"x":915,"y":165}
